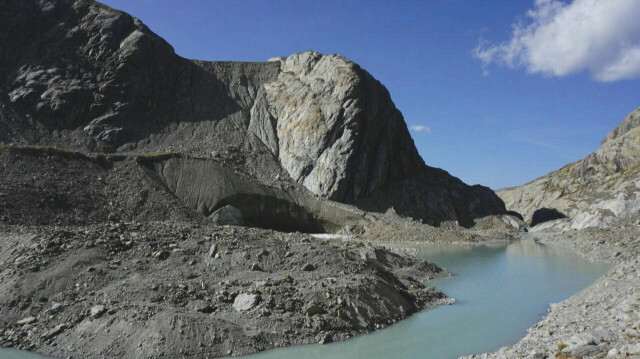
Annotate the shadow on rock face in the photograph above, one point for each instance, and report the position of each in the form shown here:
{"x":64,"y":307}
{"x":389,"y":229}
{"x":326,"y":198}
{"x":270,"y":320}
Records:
{"x":270,"y":212}
{"x":435,"y":197}
{"x":515,"y":214}
{"x":546,"y":214}
{"x":219,"y":192}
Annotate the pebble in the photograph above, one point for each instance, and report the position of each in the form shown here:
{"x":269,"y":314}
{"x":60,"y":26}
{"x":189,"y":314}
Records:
{"x":98,"y":310}
{"x":27,"y":320}
{"x":245,"y":301}
{"x":55,"y":331}
{"x":308,"y":267}
{"x":312,"y":308}
{"x":161,"y":255}
{"x":256,"y":267}
{"x":213,"y":250}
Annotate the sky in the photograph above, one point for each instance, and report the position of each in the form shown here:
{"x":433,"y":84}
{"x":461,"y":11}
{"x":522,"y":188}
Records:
{"x":495,"y":92}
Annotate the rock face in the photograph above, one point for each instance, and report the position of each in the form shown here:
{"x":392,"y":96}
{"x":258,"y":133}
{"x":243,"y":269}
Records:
{"x":80,"y":75}
{"x":337,"y":130}
{"x":593,"y":192}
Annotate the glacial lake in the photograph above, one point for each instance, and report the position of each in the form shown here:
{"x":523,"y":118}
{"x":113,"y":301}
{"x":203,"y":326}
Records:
{"x":501,"y":289}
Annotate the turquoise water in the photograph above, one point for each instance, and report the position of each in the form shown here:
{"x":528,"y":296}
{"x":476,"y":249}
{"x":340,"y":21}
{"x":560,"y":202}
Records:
{"x":18,"y":354}
{"x":500,"y":289}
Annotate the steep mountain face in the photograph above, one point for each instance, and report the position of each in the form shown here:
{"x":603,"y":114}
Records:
{"x":593,"y":192}
{"x":337,"y":130}
{"x":80,"y":75}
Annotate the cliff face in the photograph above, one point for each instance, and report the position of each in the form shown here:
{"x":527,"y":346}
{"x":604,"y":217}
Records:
{"x":79,"y":74}
{"x":593,"y":192}
{"x":337,"y":130}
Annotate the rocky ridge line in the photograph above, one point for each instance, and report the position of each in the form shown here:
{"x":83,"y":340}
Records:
{"x":80,"y":75}
{"x":596,"y":191}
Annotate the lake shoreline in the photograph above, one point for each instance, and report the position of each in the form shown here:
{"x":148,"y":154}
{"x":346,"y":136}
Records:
{"x":538,"y":342}
{"x":599,"y":321}
{"x":172,"y":290}
{"x":450,"y":331}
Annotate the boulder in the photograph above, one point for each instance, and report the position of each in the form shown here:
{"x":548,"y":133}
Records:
{"x":245,"y":301}
{"x":98,"y":310}
{"x":312,"y":308}
{"x":227,"y":215}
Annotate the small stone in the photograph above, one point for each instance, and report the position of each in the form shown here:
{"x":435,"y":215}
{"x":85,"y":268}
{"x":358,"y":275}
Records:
{"x":55,"y":331}
{"x":584,"y":350}
{"x":256,"y":267}
{"x":308,"y":267}
{"x":27,"y":320}
{"x":245,"y":301}
{"x":56,"y":307}
{"x":325,"y":338}
{"x":204,"y":307}
{"x":213,"y":250}
{"x":312,"y":308}
{"x":98,"y":310}
{"x":634,"y":349}
{"x":626,"y":308}
{"x":161,"y":255}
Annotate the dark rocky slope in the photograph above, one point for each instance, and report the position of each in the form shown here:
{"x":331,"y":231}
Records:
{"x":168,"y":290}
{"x":80,"y":189}
{"x":80,"y":75}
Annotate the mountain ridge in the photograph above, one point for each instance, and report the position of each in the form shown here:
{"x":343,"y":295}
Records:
{"x":84,"y":76}
{"x":595,"y":191}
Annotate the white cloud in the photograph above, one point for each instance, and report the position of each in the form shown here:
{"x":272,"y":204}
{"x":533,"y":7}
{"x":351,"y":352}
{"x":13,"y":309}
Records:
{"x":418,"y":128}
{"x":556,"y":38}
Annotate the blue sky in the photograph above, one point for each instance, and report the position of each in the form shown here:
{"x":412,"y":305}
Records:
{"x":508,"y":90}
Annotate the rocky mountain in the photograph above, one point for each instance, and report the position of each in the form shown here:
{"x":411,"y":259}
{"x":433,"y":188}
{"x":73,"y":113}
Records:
{"x":596,"y":191}
{"x":82,"y":76}
{"x":157,"y":206}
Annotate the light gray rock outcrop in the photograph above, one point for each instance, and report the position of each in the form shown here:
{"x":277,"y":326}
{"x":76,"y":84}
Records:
{"x":593,"y":192}
{"x":337,"y":129}
{"x":245,"y":301}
